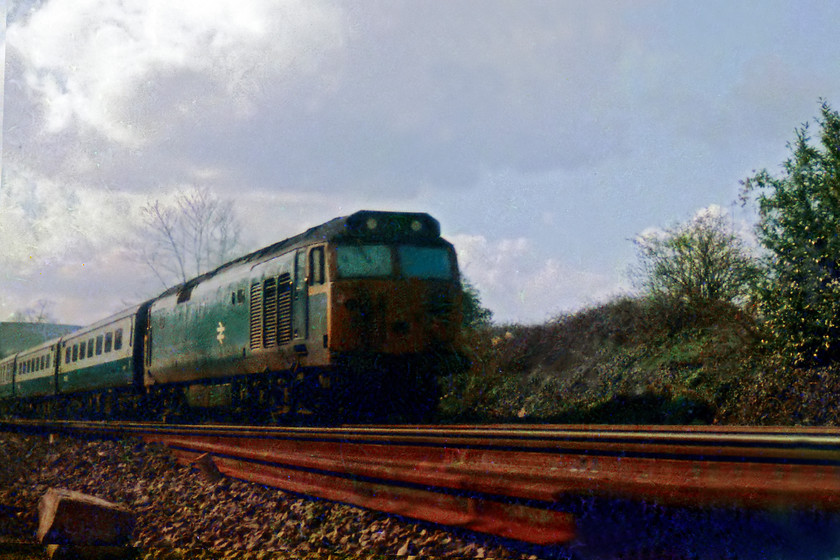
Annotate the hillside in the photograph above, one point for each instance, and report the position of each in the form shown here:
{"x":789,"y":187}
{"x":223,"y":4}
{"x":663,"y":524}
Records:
{"x":633,"y":361}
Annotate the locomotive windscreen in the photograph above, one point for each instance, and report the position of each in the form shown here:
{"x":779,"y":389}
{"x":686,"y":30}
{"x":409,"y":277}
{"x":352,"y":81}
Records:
{"x":364,"y":261}
{"x":425,"y":262}
{"x":370,"y":261}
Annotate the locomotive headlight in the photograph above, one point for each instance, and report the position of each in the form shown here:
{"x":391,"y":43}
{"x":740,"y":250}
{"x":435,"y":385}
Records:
{"x":416,"y":225}
{"x":372,"y":223}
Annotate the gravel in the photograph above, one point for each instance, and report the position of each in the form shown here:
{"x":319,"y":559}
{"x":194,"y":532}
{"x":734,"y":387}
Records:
{"x":180,"y":514}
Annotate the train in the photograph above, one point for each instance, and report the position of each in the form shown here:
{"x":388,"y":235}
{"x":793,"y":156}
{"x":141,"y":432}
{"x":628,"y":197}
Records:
{"x":356,"y":318}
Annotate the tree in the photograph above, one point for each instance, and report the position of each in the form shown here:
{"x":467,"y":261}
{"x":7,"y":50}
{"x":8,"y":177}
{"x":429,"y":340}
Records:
{"x":475,"y":315}
{"x":799,"y":225}
{"x":193,"y":234}
{"x":700,"y":261}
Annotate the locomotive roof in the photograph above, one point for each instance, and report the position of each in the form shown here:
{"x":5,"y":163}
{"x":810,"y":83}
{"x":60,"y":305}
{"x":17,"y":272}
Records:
{"x":370,"y":225}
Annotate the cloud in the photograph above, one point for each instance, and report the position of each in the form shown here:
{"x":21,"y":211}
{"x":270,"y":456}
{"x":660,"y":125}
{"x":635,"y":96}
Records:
{"x":371,"y":97}
{"x":89,"y":61}
{"x":518,"y":284}
{"x":100,"y":88}
{"x":66,"y":243}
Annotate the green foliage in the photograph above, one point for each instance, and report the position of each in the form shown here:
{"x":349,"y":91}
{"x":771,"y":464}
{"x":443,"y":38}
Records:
{"x":628,"y":360}
{"x":799,"y":225}
{"x":474,"y":314}
{"x":697,"y":262}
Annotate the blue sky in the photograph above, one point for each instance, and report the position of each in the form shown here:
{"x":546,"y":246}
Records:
{"x":543,"y":135}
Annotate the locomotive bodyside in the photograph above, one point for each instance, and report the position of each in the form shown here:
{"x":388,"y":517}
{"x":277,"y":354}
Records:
{"x":214,"y":328}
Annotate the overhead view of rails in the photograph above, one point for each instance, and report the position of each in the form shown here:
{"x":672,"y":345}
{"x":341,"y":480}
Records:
{"x":570,"y":491}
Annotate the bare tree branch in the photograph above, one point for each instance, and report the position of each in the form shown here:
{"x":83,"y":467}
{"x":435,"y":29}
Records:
{"x":41,"y":312}
{"x":194,"y":234}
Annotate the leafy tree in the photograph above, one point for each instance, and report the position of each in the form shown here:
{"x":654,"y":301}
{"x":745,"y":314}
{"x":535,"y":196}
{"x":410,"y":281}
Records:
{"x":700,"y":261}
{"x":799,"y":225}
{"x":475,"y":315}
{"x":188,"y":236}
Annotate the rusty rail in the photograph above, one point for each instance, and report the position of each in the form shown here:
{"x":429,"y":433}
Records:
{"x":507,"y":480}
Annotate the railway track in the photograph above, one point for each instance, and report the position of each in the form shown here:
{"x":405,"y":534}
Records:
{"x":511,"y":480}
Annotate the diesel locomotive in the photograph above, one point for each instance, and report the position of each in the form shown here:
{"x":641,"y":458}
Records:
{"x":355,"y":318}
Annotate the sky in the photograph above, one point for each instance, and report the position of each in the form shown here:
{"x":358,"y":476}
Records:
{"x":543,"y":135}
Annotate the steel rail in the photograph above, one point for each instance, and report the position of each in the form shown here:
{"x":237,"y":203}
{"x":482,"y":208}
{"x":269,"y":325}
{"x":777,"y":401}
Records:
{"x":507,"y":480}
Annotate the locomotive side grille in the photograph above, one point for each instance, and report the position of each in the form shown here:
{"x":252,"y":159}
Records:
{"x":255,"y":330}
{"x":284,"y":308}
{"x":270,"y":313}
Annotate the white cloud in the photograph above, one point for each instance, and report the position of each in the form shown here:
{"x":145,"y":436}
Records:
{"x":90,"y":62}
{"x":65,"y":243}
{"x":519,"y":285}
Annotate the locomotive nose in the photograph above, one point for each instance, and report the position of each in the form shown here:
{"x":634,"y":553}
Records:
{"x":392,"y":316}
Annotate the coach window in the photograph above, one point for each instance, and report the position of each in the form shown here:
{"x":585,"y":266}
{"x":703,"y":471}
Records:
{"x":99,"y":345}
{"x":75,"y":352}
{"x":67,"y":355}
{"x":43,"y":362}
{"x":90,"y":348}
{"x":109,"y":337}
{"x":82,"y":350}
{"x":117,"y":339}
{"x":48,"y":360}
{"x":316,"y":266}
